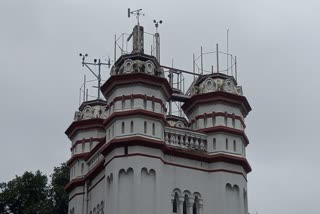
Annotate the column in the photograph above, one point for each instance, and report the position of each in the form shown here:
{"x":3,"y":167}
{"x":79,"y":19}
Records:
{"x":190,"y":203}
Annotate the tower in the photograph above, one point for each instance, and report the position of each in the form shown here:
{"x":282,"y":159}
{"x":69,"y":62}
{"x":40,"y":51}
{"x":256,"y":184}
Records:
{"x":131,"y":155}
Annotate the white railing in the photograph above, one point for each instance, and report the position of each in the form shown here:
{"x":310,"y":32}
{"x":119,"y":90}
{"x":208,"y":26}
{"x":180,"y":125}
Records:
{"x":185,"y":139}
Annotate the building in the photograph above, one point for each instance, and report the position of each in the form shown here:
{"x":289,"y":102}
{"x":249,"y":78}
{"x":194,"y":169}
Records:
{"x":130,"y":154}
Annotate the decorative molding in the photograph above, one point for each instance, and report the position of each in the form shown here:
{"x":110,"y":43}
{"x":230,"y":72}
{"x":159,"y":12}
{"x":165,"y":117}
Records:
{"x":135,"y":78}
{"x":228,"y":130}
{"x":218,"y":96}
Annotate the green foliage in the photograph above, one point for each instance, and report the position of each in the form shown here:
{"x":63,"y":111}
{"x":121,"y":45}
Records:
{"x":31,"y":194}
{"x":60,"y":178}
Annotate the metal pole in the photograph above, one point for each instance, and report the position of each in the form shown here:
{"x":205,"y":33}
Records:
{"x":201,"y":61}
{"x":157,"y":36}
{"x":99,"y":78}
{"x":84,"y":88}
{"x":235,"y":67}
{"x":87,"y":95}
{"x":80,"y":97}
{"x":194,"y":67}
{"x":227,"y":51}
{"x":217,"y":51}
{"x":115,"y":48}
{"x":122,"y":44}
{"x":231,"y":65}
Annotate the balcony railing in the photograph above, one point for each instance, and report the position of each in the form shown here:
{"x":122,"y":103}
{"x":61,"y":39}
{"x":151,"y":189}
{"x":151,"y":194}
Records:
{"x":185,"y":139}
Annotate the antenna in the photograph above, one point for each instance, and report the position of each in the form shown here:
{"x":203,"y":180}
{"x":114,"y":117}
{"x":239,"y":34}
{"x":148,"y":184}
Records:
{"x":96,"y":62}
{"x":227,"y":51}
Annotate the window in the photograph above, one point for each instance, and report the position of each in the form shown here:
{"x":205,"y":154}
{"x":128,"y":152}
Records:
{"x":195,"y":206}
{"x":125,"y":150}
{"x":132,"y":102}
{"x":213,"y":119}
{"x":153,"y":104}
{"x":233,"y":121}
{"x":205,"y":121}
{"x":83,"y":146}
{"x":184,"y":208}
{"x":123,"y":103}
{"x":175,"y":203}
{"x":153,"y":129}
{"x":75,"y":148}
{"x":227,"y":144}
{"x":145,"y":102}
{"x":82,"y":168}
{"x":214,"y":144}
{"x":122,"y":128}
{"x":131,"y":126}
{"x":226,"y":119}
{"x":112,"y":130}
{"x":145,"y":127}
{"x":234,"y":145}
{"x":109,"y":135}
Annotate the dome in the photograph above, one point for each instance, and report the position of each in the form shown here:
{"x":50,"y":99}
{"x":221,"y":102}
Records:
{"x":216,"y":82}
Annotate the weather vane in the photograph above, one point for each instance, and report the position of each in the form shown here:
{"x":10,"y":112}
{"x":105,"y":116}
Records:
{"x":136,"y":13}
{"x":96,"y":62}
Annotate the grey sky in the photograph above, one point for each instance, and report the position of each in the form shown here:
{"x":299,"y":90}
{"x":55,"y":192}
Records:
{"x":277,"y":47}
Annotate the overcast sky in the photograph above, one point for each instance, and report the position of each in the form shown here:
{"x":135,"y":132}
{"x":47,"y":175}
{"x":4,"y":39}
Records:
{"x":277,"y":44}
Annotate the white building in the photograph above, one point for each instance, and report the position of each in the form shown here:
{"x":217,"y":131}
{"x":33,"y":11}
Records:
{"x":131,"y":155}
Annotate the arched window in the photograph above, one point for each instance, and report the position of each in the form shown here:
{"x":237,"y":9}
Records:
{"x":131,"y":126}
{"x":184,"y":207}
{"x":195,"y":207}
{"x":214,"y":144}
{"x":122,"y":127}
{"x":227,"y":144}
{"x":145,"y":127}
{"x":175,"y":203}
{"x":153,"y":129}
{"x":234,"y":145}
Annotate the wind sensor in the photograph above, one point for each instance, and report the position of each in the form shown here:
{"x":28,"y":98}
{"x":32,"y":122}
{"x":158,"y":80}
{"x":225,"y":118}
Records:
{"x":156,"y":24}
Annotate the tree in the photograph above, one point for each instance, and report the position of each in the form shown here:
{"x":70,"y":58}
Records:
{"x":26,"y":194}
{"x":31,"y":193}
{"x":60,"y":178}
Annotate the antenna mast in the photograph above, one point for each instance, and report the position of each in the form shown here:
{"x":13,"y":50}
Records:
{"x":96,"y":62}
